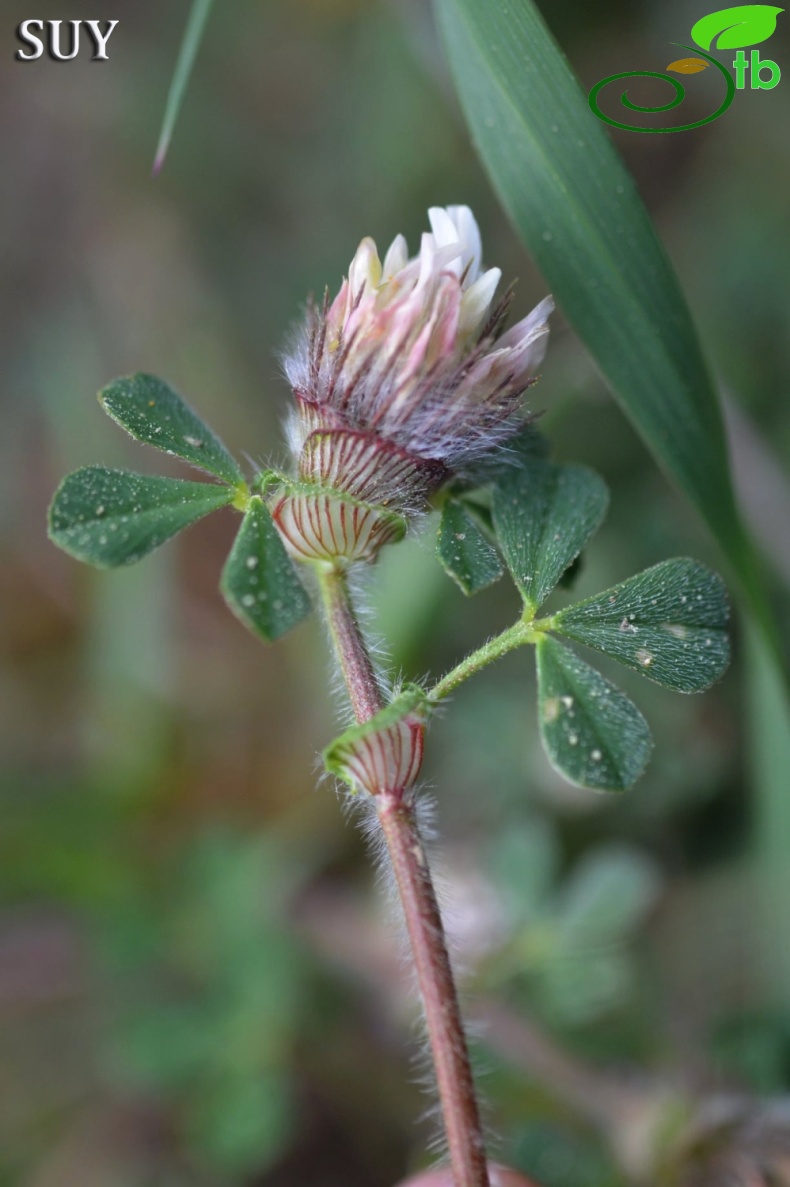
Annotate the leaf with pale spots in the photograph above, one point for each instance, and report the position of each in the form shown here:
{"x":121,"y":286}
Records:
{"x":669,"y":623}
{"x":153,"y":413}
{"x":544,"y":514}
{"x":463,"y":550}
{"x":592,"y":733}
{"x":259,"y":581}
{"x":115,"y":517}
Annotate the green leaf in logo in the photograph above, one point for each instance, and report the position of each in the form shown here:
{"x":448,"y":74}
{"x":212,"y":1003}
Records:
{"x":746,"y":24}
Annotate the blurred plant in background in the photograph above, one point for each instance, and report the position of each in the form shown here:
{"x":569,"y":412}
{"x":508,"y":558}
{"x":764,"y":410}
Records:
{"x":112,"y":775}
{"x":568,"y":948}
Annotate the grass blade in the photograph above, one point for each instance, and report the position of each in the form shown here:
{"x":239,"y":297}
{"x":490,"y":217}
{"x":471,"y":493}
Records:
{"x":193,"y":35}
{"x":578,"y":211}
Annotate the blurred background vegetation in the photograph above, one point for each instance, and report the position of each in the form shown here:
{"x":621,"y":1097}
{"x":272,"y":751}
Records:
{"x":198,"y":979}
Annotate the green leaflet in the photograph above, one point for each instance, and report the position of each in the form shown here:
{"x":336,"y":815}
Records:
{"x":464,"y":551}
{"x":669,"y":623}
{"x":114,"y":517}
{"x":544,"y":514}
{"x":156,"y":415}
{"x":579,"y":213}
{"x":606,"y":897}
{"x":259,"y":581}
{"x":592,"y":733}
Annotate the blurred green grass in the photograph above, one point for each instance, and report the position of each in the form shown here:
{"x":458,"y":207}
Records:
{"x":166,"y":1014}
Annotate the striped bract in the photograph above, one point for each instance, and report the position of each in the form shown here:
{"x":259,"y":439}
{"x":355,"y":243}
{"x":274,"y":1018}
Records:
{"x":368,"y":468}
{"x":322,"y":526}
{"x":386,"y":760}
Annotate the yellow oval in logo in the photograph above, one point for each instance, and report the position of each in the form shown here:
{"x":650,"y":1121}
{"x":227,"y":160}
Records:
{"x":688,"y":65}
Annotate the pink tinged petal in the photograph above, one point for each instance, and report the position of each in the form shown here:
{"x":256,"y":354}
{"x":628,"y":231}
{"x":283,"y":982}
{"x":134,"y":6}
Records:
{"x":435,"y":259}
{"x":365,"y":268}
{"x":529,"y":326}
{"x":518,"y":363}
{"x":416,"y":356}
{"x":446,"y":318}
{"x":476,"y":301}
{"x":325,"y":527}
{"x":435,"y":340}
{"x":405,"y":280}
{"x":405,"y":318}
{"x":469,"y":235}
{"x":337,"y":314}
{"x":484,"y":375}
{"x":523,"y":360}
{"x":396,"y":259}
{"x":526,"y":342}
{"x":362,"y":321}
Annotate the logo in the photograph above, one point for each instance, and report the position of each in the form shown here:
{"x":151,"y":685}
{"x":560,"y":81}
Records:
{"x":62,"y":45}
{"x":731,"y":28}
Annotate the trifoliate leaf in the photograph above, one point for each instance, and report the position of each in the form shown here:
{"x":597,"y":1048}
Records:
{"x":544,"y":514}
{"x":259,"y":581}
{"x":523,"y":864}
{"x":669,"y":623}
{"x":592,"y":733}
{"x":579,"y":986}
{"x":463,"y":550}
{"x":606,"y":897}
{"x":156,"y":415}
{"x":114,"y":517}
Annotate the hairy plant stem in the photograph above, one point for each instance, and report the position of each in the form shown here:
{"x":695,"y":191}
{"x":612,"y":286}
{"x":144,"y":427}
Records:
{"x":460,"y":1112}
{"x":527,"y":630}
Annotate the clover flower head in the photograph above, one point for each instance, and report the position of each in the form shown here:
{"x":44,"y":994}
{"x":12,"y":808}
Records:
{"x":404,"y":378}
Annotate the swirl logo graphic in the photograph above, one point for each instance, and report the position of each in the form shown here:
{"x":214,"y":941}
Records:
{"x":731,"y":28}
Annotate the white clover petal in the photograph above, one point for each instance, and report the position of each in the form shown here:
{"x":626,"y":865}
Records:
{"x":435,"y":259}
{"x":529,"y":326}
{"x":396,"y":259}
{"x":365,"y":268}
{"x":476,"y":301}
{"x":445,"y":234}
{"x":427,"y":258}
{"x":469,"y":235}
{"x":524,"y":359}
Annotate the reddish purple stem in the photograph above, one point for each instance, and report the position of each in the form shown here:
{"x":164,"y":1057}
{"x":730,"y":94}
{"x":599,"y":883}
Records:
{"x":463,"y":1129}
